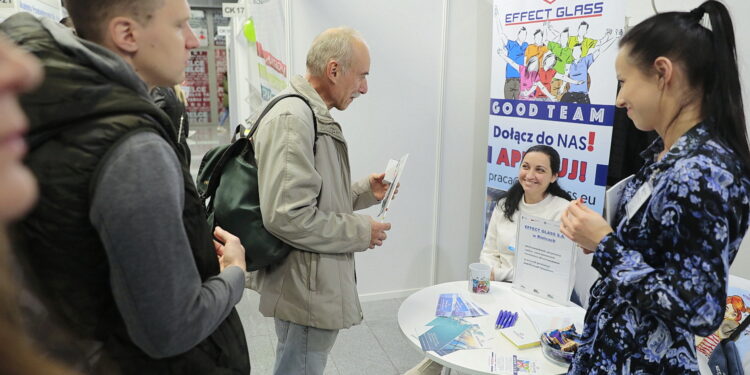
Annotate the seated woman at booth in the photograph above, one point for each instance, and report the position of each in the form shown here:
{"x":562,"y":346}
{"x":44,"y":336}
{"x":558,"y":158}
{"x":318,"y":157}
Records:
{"x":536,"y":193}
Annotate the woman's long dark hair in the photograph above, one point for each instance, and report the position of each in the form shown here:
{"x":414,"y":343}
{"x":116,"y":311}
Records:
{"x":515,"y":193}
{"x":709,"y":57}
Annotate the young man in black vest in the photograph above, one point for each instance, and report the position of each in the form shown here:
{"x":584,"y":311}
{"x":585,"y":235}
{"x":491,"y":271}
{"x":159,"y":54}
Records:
{"x":118,"y":245}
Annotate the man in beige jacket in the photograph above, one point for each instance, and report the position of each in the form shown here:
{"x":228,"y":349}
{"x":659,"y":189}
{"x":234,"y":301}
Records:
{"x":307,"y":200}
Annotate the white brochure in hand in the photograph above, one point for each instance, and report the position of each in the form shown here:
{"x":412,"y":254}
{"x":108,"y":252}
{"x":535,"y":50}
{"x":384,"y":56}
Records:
{"x":392,"y":175}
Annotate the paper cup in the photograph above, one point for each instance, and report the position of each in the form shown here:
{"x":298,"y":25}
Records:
{"x":479,"y":278}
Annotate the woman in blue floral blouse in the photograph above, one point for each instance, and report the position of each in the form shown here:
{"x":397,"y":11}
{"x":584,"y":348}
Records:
{"x":664,"y":266}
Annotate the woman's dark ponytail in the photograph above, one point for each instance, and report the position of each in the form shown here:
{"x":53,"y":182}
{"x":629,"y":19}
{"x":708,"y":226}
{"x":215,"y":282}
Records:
{"x":722,"y":94}
{"x":514,"y":195}
{"x":703,"y":42}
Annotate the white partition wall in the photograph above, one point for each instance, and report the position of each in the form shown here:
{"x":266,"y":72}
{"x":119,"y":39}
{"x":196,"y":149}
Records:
{"x":401,"y":113}
{"x":464,"y":148}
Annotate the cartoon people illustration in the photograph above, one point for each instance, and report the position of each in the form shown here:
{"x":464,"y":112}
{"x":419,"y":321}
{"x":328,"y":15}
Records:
{"x":585,"y":42}
{"x":528,"y":75}
{"x":515,"y":51}
{"x":732,"y":316}
{"x":563,"y":57}
{"x":555,"y":66}
{"x":579,"y":69}
{"x":536,"y":81}
{"x":538,"y":48}
{"x":548,"y":75}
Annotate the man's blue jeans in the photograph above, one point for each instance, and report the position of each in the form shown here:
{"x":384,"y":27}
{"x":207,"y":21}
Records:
{"x":302,"y":350}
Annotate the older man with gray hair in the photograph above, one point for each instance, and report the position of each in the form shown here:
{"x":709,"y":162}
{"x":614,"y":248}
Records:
{"x":307,"y":200}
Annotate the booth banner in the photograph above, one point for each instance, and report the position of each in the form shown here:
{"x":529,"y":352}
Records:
{"x":270,"y":47}
{"x":40,"y":8}
{"x":553,"y":82}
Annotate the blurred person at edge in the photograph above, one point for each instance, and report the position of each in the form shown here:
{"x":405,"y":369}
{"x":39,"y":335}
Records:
{"x":680,"y":221}
{"x":118,"y":246}
{"x":18,"y":191}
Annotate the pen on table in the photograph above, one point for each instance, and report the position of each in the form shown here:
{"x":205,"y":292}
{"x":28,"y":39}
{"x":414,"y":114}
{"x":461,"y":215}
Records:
{"x":500,"y":316}
{"x":506,"y":323}
{"x":504,"y":320}
{"x":513,"y":320}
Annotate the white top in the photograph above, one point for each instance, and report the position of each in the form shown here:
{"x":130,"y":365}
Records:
{"x":501,"y":233}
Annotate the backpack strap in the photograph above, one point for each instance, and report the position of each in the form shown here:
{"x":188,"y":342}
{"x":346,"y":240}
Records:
{"x":738,"y":331}
{"x":273,"y":103}
{"x":238,"y":146}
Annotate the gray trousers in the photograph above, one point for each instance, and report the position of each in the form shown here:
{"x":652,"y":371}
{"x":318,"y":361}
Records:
{"x":512,"y":88}
{"x":302,"y":350}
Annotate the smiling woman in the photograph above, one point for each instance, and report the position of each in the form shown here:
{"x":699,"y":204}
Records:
{"x":536,"y":192}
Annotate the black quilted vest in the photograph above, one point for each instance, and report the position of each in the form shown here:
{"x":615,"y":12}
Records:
{"x":76,"y":117}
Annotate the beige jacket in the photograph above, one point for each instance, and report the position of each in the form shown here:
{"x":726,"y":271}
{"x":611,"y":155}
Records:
{"x":308,"y":202}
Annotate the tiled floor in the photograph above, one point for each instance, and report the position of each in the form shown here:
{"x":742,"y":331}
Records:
{"x":375,"y":347}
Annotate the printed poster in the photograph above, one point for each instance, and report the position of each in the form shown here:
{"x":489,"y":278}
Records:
{"x":220,"y":22}
{"x":199,"y":24}
{"x":221,"y":74}
{"x":197,"y":88}
{"x":737,"y":310}
{"x":553,"y":82}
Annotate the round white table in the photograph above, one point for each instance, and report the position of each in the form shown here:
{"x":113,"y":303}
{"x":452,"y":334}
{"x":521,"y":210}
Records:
{"x":419,"y":309}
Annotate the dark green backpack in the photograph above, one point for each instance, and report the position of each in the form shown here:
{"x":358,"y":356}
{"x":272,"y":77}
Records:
{"x":228,"y":185}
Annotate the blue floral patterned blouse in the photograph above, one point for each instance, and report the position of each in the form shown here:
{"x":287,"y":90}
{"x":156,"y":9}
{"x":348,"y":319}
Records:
{"x":663,"y":273}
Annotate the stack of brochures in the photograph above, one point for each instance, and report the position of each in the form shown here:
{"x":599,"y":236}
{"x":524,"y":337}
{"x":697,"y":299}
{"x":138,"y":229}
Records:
{"x":449,"y":331}
{"x":452,"y":305}
{"x":448,"y":335}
